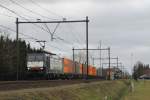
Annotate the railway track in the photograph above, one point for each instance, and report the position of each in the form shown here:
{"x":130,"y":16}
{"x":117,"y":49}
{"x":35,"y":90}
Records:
{"x":18,"y":85}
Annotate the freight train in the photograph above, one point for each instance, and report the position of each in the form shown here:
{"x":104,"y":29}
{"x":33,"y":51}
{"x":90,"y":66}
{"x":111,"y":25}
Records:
{"x":50,"y":66}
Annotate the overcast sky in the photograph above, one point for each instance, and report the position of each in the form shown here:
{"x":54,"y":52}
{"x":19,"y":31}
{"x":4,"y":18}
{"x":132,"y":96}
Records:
{"x":121,"y":24}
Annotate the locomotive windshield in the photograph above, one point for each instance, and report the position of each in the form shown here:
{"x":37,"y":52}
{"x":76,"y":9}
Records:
{"x":35,"y":61}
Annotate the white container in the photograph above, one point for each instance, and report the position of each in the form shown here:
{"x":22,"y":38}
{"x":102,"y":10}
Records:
{"x":56,"y":65}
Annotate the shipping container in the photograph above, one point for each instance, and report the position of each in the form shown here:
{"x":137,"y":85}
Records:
{"x":81,"y":68}
{"x":84,"y":69}
{"x":94,"y":71}
{"x":68,"y":66}
{"x":77,"y":68}
{"x":56,"y":65}
{"x":90,"y":72}
{"x":99,"y":72}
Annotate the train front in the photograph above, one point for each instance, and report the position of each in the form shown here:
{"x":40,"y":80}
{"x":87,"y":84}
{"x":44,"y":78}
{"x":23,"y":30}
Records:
{"x":37,"y":64}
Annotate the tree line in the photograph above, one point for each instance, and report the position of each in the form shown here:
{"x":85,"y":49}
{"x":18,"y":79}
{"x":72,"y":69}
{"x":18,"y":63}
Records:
{"x":139,"y":69}
{"x":8,"y":58}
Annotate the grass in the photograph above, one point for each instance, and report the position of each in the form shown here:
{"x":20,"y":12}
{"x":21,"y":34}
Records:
{"x":141,"y":91}
{"x":85,"y":91}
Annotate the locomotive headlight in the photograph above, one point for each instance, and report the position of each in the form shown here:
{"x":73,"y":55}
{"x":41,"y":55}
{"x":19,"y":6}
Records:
{"x":29,"y":68}
{"x":41,"y":68}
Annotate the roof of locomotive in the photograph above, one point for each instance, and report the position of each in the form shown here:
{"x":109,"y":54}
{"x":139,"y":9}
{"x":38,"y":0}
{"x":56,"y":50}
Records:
{"x":42,"y":52}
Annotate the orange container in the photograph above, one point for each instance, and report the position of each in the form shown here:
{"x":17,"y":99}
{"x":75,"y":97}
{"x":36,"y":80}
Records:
{"x":90,"y":72}
{"x":68,"y":65}
{"x":81,"y":68}
{"x":94,"y":71}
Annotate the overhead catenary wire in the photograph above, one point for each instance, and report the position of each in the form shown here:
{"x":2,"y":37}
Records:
{"x":31,"y":11}
{"x":63,"y":40}
{"x":7,"y":15}
{"x":58,"y":48}
{"x":31,"y":38}
{"x":21,"y":16}
{"x":19,"y":33}
{"x":26,"y":19}
{"x":56,"y":37}
{"x":69,"y":42}
{"x":78,"y":39}
{"x":52,"y":33}
{"x":10,"y":10}
{"x":34,"y":40}
{"x":47,"y":10}
{"x":10,"y":16}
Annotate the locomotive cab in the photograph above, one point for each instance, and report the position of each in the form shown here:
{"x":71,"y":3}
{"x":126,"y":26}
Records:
{"x":38,"y":62}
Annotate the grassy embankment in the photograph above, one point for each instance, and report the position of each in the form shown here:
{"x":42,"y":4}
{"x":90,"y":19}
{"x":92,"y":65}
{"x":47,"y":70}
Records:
{"x":85,"y":91}
{"x":141,"y":91}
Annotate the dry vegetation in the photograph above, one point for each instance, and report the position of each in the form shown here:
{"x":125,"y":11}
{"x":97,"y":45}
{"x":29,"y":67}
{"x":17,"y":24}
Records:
{"x":141,"y":91}
{"x":83,"y":91}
